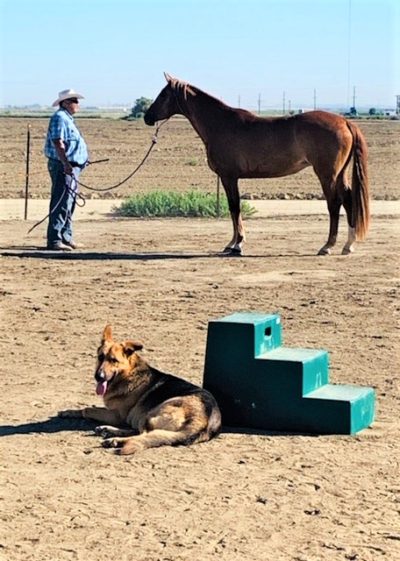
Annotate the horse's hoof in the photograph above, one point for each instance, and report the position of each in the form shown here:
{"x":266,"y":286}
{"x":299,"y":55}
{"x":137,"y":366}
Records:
{"x":236,"y":252}
{"x":347,"y":251}
{"x":324,"y":251}
{"x":232,"y":252}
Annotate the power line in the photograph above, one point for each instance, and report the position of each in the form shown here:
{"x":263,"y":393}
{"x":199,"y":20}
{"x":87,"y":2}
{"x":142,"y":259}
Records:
{"x":348,"y":53}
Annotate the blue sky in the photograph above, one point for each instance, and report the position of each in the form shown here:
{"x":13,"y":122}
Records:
{"x":114,"y":51}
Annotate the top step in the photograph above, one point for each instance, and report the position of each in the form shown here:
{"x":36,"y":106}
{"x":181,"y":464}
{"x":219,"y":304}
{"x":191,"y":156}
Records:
{"x":255,"y":332}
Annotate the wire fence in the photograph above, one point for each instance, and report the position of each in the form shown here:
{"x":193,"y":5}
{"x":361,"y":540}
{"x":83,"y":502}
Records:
{"x":177,"y":163}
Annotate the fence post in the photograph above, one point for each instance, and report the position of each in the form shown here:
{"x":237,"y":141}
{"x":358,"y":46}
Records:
{"x":28,"y":149}
{"x":218,"y":198}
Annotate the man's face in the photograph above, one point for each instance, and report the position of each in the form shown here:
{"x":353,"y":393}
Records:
{"x":72,"y":105}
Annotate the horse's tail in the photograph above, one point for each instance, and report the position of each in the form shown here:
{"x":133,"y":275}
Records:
{"x":359,"y":186}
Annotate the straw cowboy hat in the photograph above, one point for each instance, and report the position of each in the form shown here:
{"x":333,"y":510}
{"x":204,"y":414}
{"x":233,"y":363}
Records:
{"x":67,"y":94}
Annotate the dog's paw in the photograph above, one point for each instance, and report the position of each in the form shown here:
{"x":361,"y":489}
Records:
{"x":127,"y":449}
{"x":71,"y":414}
{"x":122,"y":446}
{"x":112,"y":443}
{"x":105,"y":431}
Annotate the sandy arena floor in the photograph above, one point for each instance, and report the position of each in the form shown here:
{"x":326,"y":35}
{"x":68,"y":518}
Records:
{"x":245,"y":496}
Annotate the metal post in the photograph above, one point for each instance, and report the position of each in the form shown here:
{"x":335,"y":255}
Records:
{"x":28,"y":150}
{"x":218,"y":198}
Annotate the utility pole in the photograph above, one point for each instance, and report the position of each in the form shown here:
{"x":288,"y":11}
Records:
{"x":284,"y":102}
{"x":28,"y":155}
{"x":239,"y":100}
{"x":259,"y":104}
{"x":354,"y":97}
{"x":315,"y":99}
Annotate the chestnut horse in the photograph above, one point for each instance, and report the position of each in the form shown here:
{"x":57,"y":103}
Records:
{"x":241,"y":145}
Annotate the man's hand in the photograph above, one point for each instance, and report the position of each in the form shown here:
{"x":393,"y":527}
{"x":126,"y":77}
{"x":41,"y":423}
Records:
{"x":60,"y":148}
{"x":68,"y":169}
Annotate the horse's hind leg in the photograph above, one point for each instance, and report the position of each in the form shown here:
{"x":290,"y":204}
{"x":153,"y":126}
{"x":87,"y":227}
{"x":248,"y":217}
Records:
{"x":334,"y":203}
{"x":230,"y":184}
{"x":348,"y":206}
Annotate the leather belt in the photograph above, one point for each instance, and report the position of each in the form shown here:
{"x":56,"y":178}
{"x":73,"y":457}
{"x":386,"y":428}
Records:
{"x":73,"y":164}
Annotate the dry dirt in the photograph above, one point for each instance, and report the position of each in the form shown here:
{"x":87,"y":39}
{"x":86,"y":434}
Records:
{"x":245,"y":496}
{"x":178,"y":161}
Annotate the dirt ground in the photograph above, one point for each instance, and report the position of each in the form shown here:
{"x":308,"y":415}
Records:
{"x":247,"y":495}
{"x":178,"y":161}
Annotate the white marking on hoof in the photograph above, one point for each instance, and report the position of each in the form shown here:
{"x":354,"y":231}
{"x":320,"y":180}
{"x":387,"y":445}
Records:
{"x":347,"y":250}
{"x":233,"y":250}
{"x":351,"y":238}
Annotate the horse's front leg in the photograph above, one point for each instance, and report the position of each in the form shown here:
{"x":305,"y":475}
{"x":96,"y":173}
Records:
{"x":234,"y":247}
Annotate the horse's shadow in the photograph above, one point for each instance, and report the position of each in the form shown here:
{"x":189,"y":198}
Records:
{"x":38,"y":253}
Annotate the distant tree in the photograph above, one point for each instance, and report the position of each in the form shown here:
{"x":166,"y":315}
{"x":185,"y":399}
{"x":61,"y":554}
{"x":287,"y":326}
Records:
{"x":372,"y":111}
{"x":140,"y":107}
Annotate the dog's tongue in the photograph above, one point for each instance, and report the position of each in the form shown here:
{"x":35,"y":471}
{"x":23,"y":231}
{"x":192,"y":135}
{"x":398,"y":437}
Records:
{"x":101,"y":388}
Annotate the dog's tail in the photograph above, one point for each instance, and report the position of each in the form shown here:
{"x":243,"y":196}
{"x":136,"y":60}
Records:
{"x":213,"y":427}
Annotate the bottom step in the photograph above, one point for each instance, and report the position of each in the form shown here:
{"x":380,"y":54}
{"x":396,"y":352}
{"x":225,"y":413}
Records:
{"x":340,"y":409}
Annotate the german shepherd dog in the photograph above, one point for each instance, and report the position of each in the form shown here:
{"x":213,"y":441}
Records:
{"x":159,"y":409}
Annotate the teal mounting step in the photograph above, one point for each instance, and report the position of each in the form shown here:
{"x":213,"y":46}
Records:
{"x":259,"y":383}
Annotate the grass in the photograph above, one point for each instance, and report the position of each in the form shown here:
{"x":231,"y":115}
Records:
{"x":172,"y":204}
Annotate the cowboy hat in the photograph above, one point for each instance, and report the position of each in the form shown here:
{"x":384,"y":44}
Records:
{"x":67,"y":94}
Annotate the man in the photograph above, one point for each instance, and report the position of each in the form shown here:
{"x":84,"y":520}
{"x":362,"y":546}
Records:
{"x":67,"y":156}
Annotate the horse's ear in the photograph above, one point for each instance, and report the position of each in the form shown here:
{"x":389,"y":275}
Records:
{"x":167,"y":77}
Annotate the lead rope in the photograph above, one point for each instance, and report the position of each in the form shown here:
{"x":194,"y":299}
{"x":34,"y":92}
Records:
{"x":103,"y":189}
{"x":66,"y":189}
{"x":98,"y":189}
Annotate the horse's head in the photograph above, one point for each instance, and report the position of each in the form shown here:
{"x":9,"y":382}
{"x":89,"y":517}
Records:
{"x":169,"y":101}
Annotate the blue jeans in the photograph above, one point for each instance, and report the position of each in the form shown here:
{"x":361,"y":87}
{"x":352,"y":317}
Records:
{"x":64,"y":189}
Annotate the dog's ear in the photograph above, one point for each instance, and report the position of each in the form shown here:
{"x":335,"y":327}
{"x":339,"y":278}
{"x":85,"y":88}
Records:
{"x":107,"y":334}
{"x":131,"y":346}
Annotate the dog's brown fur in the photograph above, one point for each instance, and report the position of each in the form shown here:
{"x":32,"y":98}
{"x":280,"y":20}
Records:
{"x":164,"y":409}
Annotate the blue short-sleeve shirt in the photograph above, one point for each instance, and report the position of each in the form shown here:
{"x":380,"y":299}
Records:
{"x":62,"y":126}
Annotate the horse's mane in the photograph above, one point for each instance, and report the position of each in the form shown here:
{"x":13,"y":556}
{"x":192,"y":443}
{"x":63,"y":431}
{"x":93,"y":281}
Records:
{"x":182,"y":87}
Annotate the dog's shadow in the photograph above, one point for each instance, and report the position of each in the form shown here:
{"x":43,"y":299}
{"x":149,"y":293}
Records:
{"x":50,"y":426}
{"x":61,"y":424}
